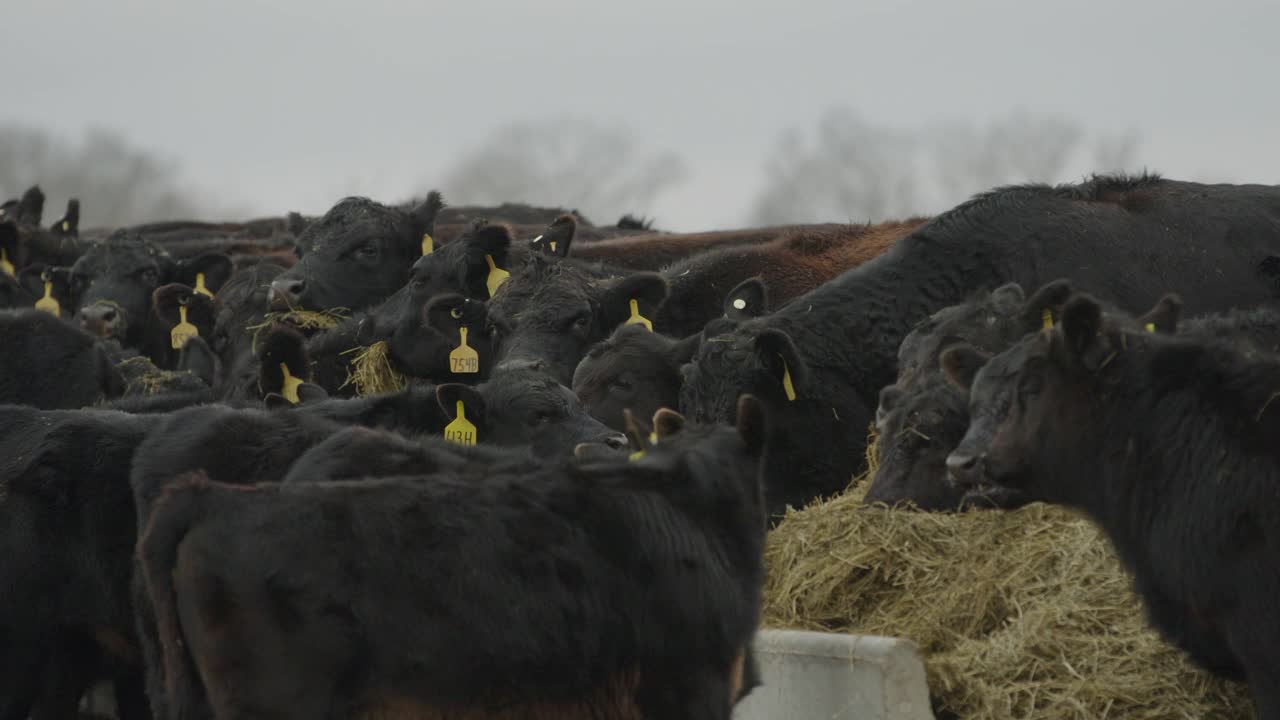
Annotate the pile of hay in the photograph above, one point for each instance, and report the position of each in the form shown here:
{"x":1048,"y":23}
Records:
{"x":371,"y":371}
{"x":1020,"y":614}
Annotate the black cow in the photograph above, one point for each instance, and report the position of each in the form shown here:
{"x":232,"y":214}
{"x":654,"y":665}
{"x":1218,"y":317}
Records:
{"x":355,"y":256}
{"x":109,"y":288}
{"x":67,"y":529}
{"x":1169,"y":444}
{"x":638,"y":587}
{"x":49,"y":363}
{"x":1127,"y":238}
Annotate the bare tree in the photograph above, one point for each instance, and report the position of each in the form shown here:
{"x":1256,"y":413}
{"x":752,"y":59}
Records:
{"x":118,"y":183}
{"x":856,"y":170}
{"x":564,"y":162}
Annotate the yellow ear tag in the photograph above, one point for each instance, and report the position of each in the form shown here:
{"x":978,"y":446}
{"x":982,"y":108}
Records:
{"x":183,"y":331}
{"x":289,"y":386}
{"x":635,"y":456}
{"x":66,"y":226}
{"x":49,"y":303}
{"x":5,"y":265}
{"x":787,"y":387}
{"x":1151,"y":327}
{"x":1047,"y":318}
{"x":428,"y":245}
{"x":497,"y":275}
{"x":636,"y":318}
{"x":200,"y":286}
{"x":553,"y":246}
{"x":461,"y":430}
{"x":464,"y":359}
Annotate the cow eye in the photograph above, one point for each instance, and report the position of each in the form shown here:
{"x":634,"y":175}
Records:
{"x":620,"y":384}
{"x":367,"y":251}
{"x":581,"y":322}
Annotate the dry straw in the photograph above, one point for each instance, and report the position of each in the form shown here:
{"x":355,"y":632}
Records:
{"x":371,"y":371}
{"x":304,"y":319}
{"x":1020,"y":614}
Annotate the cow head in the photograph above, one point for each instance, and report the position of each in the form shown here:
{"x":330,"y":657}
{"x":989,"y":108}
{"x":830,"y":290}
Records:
{"x":465,"y":265}
{"x":634,"y":369}
{"x":445,"y":341}
{"x":1031,"y":404}
{"x":355,"y":256}
{"x":109,"y":288}
{"x":548,"y":315}
{"x":517,"y":407}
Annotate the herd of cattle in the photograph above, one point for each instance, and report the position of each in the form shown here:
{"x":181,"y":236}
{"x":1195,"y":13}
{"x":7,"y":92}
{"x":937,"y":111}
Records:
{"x":561,"y":509}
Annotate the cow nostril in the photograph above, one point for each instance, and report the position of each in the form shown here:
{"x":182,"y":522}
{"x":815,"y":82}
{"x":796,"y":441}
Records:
{"x":961,"y":466}
{"x":616,"y":442}
{"x":108,"y":315}
{"x":295,"y":287}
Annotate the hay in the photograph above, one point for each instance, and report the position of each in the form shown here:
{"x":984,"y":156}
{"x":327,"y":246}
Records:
{"x":301,"y":319}
{"x":371,"y":371}
{"x":143,"y":379}
{"x":1023,"y":614}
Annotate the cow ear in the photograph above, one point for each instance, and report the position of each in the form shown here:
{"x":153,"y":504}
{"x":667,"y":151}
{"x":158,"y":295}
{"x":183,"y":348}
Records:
{"x":449,"y":395}
{"x":1043,"y":308}
{"x":684,"y":350}
{"x":283,"y":363}
{"x":1163,"y":318}
{"x":889,"y":397}
{"x":166,"y":304}
{"x":748,"y":299}
{"x":637,"y":434}
{"x":633,"y":299}
{"x":209,"y":271}
{"x":751,"y":423}
{"x":667,"y":422}
{"x":34,"y":276}
{"x":31,"y":207}
{"x":423,"y":217}
{"x":1083,"y":342}
{"x":557,"y":238}
{"x":961,"y":363}
{"x":295,"y":223}
{"x":1008,"y":298}
{"x":11,"y":260}
{"x":488,"y":257}
{"x":69,"y":224}
{"x":197,"y":358}
{"x":779,"y":356}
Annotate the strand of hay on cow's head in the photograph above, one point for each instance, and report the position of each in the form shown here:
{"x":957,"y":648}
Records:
{"x":1020,"y":614}
{"x":371,"y":371}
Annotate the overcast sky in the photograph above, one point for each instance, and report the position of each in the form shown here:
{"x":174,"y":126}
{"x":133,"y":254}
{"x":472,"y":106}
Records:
{"x":291,"y":104}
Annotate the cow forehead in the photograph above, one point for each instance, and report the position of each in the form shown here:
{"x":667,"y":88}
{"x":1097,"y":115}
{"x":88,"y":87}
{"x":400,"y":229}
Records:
{"x":116,"y":258}
{"x":350,"y":219}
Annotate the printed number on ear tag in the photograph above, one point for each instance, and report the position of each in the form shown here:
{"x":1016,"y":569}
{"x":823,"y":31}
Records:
{"x":183,"y":331}
{"x":464,"y":358}
{"x":461,"y":430}
{"x":497,"y":275}
{"x":636,"y":318}
{"x":49,"y":303}
{"x":201,"y":287}
{"x":1046,"y":317}
{"x":428,"y":244}
{"x":289,"y":386}
{"x":5,"y":265}
{"x":787,"y":387}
